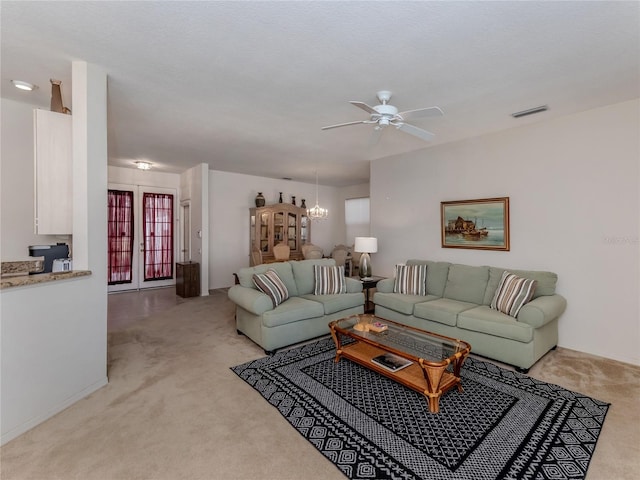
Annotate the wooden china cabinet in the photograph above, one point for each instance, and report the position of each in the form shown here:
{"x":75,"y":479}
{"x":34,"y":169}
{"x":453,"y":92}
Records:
{"x":281,"y":222}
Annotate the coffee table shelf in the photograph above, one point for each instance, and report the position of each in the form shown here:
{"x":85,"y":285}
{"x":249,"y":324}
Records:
{"x":436,"y":359}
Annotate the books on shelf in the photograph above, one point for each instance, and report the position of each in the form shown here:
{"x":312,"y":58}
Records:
{"x":391,"y":362}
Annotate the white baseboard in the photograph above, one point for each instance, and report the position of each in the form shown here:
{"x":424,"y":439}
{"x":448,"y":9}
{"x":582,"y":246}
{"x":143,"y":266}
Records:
{"x":20,"y":429}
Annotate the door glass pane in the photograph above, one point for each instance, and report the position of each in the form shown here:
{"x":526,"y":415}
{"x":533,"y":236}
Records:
{"x":120,"y":236}
{"x":157,"y":210}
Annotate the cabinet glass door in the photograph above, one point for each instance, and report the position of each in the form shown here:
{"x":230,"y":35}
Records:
{"x":292,"y":234}
{"x":304,"y":230}
{"x":278,"y":227}
{"x":252,"y":231}
{"x":264,"y":232}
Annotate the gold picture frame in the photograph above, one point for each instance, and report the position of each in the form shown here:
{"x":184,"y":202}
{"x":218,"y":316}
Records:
{"x":481,"y":224}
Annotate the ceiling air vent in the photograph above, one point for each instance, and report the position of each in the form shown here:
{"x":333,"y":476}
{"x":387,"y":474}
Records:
{"x":531,"y":111}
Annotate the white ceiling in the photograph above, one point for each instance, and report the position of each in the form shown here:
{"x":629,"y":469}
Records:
{"x":246,"y":86}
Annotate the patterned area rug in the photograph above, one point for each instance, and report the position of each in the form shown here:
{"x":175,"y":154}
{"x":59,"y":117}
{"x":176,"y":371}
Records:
{"x":504,"y":425}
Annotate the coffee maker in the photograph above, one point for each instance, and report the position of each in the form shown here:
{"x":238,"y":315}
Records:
{"x":50,"y":253}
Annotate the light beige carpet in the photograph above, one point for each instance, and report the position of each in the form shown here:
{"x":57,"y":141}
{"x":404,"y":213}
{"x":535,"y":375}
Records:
{"x":174,"y":410}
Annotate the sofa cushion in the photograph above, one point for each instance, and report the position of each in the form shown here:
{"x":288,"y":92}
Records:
{"x":293,"y":310}
{"x":442,"y":310}
{"x":400,"y":302}
{"x":512,"y":293}
{"x":437,"y":273}
{"x":328,"y":280}
{"x":466,"y":283}
{"x":545,"y":282}
{"x":271,"y":284}
{"x":410,"y":279}
{"x":303,"y":273}
{"x":336,"y":303}
{"x":483,"y":319}
{"x":245,"y":275}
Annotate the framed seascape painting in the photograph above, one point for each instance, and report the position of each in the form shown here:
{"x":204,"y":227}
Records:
{"x":481,"y":224}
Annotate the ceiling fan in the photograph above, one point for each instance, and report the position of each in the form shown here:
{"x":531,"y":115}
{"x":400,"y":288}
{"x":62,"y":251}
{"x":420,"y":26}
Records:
{"x":384,"y":115}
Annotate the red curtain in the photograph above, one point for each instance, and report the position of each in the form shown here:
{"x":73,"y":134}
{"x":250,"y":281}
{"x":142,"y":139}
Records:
{"x":158,"y":236}
{"x":120,"y":236}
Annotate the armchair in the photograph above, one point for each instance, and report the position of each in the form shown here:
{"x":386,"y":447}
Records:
{"x":310,"y":251}
{"x":281,"y":252}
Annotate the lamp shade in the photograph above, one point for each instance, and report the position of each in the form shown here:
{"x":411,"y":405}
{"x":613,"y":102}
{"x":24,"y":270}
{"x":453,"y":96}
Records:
{"x":366,"y":245}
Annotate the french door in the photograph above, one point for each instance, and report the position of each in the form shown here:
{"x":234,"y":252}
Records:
{"x":141,"y":237}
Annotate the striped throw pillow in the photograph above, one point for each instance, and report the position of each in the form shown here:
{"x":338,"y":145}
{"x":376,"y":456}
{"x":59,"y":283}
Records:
{"x":329,"y":280}
{"x":271,"y":284}
{"x":512,"y":293}
{"x":411,"y":279}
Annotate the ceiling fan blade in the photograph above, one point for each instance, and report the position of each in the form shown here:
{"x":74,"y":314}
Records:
{"x":345,"y":124}
{"x":421,"y":113}
{"x":364,"y":107}
{"x":415,"y":131}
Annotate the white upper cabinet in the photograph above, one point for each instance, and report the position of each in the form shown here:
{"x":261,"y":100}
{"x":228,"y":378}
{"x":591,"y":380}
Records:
{"x":53,"y":173}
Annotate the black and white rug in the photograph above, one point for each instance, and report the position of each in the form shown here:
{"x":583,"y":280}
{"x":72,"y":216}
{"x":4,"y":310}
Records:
{"x":504,"y":425}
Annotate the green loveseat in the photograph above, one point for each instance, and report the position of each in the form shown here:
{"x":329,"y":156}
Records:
{"x":457,"y":304}
{"x":302,"y":316}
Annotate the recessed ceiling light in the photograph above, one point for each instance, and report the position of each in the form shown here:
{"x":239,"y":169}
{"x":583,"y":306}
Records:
{"x":143,"y":165}
{"x":24,"y":85}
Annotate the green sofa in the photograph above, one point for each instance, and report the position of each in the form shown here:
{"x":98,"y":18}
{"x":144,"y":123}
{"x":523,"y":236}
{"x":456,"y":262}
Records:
{"x":457,"y":304}
{"x":301,"y":317}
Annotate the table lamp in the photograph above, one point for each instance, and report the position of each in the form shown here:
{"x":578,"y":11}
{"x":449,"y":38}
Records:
{"x":365,"y":245}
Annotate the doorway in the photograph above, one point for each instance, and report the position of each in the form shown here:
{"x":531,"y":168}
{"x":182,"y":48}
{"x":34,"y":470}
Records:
{"x":186,"y":230}
{"x":141,"y":237}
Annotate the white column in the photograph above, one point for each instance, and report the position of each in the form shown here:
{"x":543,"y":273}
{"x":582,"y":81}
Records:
{"x":89,"y":94}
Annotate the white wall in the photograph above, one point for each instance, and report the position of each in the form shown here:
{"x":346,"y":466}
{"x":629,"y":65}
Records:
{"x":230,"y":197}
{"x":54,"y":335}
{"x":149,"y":178}
{"x":17,"y":177}
{"x":573,"y":185}
{"x":194,"y":187}
{"x":54,"y":349}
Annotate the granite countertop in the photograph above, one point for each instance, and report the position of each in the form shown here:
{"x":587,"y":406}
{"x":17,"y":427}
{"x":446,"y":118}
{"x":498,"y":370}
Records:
{"x":16,"y":274}
{"x":22,"y":267}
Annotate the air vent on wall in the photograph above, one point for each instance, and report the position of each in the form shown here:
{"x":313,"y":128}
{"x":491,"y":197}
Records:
{"x":531,"y":111}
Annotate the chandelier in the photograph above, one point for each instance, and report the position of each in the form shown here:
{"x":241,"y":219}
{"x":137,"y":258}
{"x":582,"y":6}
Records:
{"x":317,"y":212}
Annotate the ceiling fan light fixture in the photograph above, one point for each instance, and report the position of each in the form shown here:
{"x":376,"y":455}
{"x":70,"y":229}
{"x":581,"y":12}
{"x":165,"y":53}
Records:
{"x":385,"y":114}
{"x":24,"y":85}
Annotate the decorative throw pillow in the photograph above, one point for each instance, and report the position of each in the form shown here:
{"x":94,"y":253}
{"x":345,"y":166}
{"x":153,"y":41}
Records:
{"x":411,"y":279}
{"x":329,"y":280}
{"x":271,"y":284}
{"x":512,"y":294}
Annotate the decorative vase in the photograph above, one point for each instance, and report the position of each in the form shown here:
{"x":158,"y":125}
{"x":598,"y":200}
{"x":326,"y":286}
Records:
{"x":293,"y":199}
{"x":364,"y":269}
{"x":260,"y":200}
{"x":302,"y":204}
{"x":280,"y":199}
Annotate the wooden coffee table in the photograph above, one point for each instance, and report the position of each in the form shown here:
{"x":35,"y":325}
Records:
{"x":436,"y":359}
